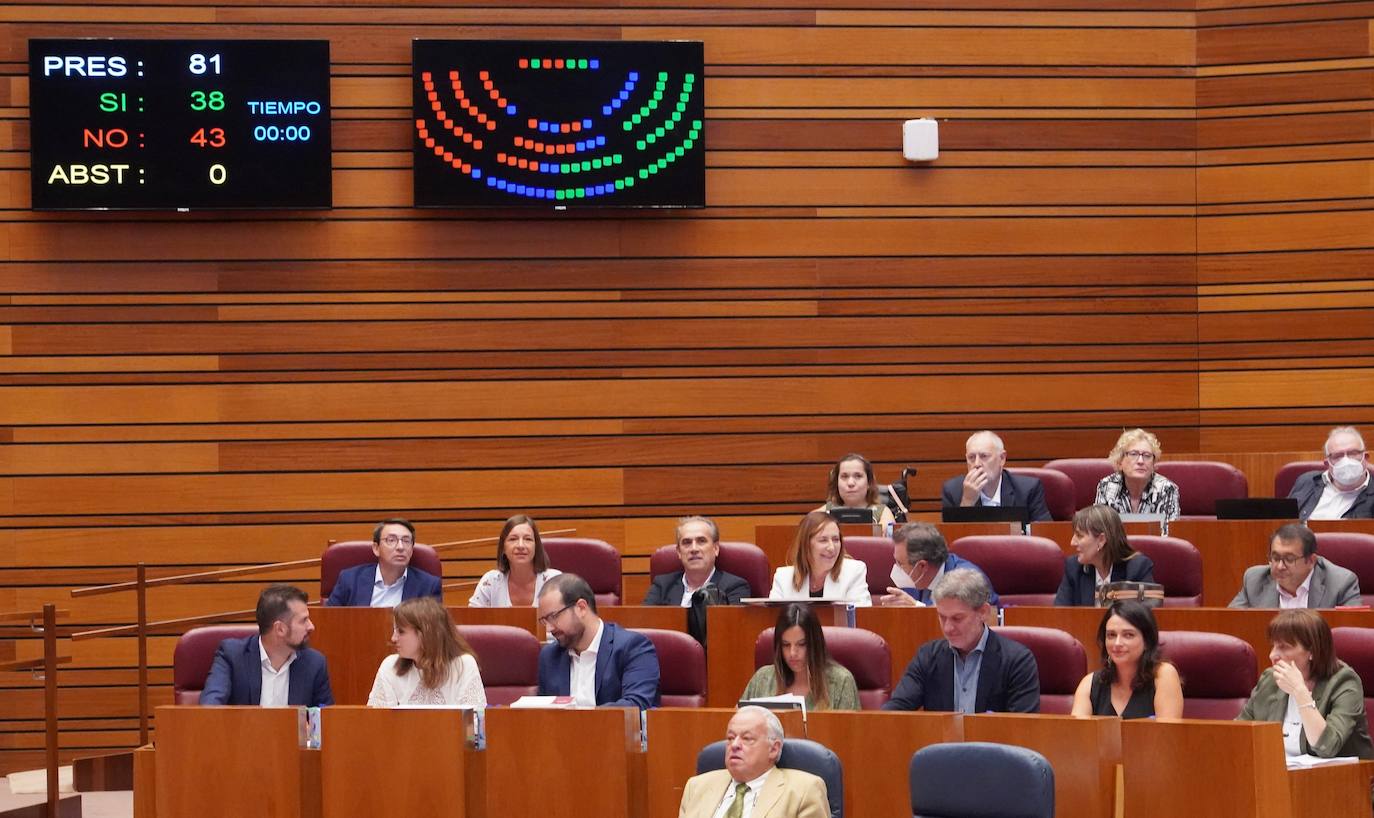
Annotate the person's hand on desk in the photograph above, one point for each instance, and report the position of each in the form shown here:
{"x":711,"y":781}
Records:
{"x":897,"y":598}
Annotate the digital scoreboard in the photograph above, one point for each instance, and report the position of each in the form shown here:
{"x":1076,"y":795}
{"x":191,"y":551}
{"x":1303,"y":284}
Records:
{"x":559,"y":123}
{"x":163,"y":124}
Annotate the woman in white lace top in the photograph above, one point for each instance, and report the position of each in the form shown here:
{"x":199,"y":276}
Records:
{"x":432,"y":664}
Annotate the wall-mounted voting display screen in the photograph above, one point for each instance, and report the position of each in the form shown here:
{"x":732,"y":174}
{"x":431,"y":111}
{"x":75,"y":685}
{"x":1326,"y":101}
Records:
{"x":162,"y":124}
{"x":559,"y":123}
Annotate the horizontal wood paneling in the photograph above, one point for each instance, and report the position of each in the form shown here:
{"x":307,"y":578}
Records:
{"x":1144,"y":214}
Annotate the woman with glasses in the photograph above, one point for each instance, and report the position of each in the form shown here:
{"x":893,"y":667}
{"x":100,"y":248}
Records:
{"x":1318,"y":698}
{"x":432,"y":664}
{"x":522,"y":568}
{"x":1134,"y":681}
{"x":852,"y":486}
{"x":1104,"y":556}
{"x":1135,"y":487}
{"x":802,"y":665}
{"x":820,"y":568}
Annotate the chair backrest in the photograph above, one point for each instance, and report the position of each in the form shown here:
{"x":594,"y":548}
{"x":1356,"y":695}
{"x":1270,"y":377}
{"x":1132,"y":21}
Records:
{"x":876,"y":553}
{"x":1202,"y":482}
{"x":1086,"y":473}
{"x":1352,"y":551}
{"x":797,"y":754}
{"x":193,"y":655}
{"x":863,"y":653}
{"x":1060,"y":493}
{"x":1178,"y":567}
{"x":1061,"y":659}
{"x":743,"y":559}
{"x":1355,"y":647}
{"x":978,"y":779}
{"x":1023,"y":570}
{"x":682,"y":667}
{"x":1289,"y":473}
{"x":341,"y":555}
{"x":596,"y":561}
{"x":1218,"y":671}
{"x":508,"y":658}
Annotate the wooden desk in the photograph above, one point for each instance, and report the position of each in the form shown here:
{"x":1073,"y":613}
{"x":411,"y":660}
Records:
{"x":1084,"y":753}
{"x":444,"y":777}
{"x":731,"y":631}
{"x":676,"y":735}
{"x":1325,"y":792}
{"x":875,"y":749}
{"x":234,"y":761}
{"x":662,"y":617}
{"x":1219,"y":768}
{"x":565,"y":763}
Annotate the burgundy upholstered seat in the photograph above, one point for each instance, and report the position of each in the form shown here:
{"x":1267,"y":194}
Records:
{"x":1352,"y":551}
{"x":596,"y":561}
{"x":1060,"y":492}
{"x":1061,"y":660}
{"x":1218,"y":671}
{"x":1202,"y":482}
{"x":193,"y":655}
{"x":1178,"y":567}
{"x":681,"y":667}
{"x":1023,"y":570}
{"x":508,"y":658}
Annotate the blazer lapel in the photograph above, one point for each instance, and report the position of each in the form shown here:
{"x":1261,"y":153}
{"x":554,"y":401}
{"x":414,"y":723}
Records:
{"x":1007,"y":493}
{"x":362,"y":586}
{"x":989,"y":670}
{"x":295,"y":684}
{"x":944,"y":678}
{"x":253,"y":665}
{"x":603,"y":660}
{"x":1316,"y":592}
{"x":773,"y":788}
{"x":411,"y":588}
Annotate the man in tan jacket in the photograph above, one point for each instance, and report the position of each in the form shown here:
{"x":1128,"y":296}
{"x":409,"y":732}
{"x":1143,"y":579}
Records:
{"x":751,"y":786}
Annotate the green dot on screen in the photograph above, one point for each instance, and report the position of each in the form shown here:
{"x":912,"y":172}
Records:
{"x":643,"y":173}
{"x":534,"y":63}
{"x":581,"y":63}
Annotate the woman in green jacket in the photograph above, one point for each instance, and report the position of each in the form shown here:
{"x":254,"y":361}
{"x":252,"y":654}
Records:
{"x":803,"y":666}
{"x":1318,"y":698}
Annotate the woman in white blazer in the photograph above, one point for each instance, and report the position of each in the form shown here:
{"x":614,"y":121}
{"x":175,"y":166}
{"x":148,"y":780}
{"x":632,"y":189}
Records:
{"x":820,"y":568}
{"x":522,"y":568}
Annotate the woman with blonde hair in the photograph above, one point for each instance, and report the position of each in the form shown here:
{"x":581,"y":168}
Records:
{"x":1135,"y":487}
{"x":820,"y":568}
{"x":432,"y":664}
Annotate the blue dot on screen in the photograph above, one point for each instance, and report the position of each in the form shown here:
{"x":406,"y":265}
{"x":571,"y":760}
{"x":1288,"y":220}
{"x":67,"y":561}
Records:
{"x":501,"y":184}
{"x":601,"y":140}
{"x":586,"y":124}
{"x":510,"y":110}
{"x":634,"y":76}
{"x":477,"y":173}
{"x":520,"y":189}
{"x":544,"y":126}
{"x":491,"y":181}
{"x":594,"y":64}
{"x":605,"y":110}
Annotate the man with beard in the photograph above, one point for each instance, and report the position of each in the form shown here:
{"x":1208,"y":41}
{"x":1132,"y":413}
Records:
{"x":274,"y":668}
{"x":596,"y":663}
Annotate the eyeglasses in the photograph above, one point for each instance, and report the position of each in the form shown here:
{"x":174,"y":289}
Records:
{"x":1134,"y":455}
{"x":393,"y":540}
{"x":1288,"y":560}
{"x":547,"y":619}
{"x":1353,"y":454}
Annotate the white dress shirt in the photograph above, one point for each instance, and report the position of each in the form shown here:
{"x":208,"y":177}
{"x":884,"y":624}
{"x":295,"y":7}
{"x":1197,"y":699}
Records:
{"x":582,"y":674}
{"x":995,"y":498}
{"x":1297,"y":599}
{"x":688,"y":590}
{"x":276,"y":684}
{"x":750,"y":798}
{"x":1334,"y":503}
{"x":387,"y":596}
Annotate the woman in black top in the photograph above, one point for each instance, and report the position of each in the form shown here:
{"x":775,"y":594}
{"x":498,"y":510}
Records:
{"x":1134,"y":682}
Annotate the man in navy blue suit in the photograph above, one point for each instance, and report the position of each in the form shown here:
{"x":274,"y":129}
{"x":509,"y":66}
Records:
{"x":274,"y":668}
{"x":922,"y":558}
{"x":987,"y":482}
{"x":393,"y":579}
{"x":595,"y":662}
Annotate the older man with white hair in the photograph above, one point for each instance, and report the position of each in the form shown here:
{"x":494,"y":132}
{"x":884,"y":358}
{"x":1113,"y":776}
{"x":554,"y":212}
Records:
{"x":987,"y":483}
{"x":1343,"y":490}
{"x":752,"y":785}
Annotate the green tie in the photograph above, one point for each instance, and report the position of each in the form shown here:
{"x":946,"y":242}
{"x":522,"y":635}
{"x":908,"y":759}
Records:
{"x":736,"y":809}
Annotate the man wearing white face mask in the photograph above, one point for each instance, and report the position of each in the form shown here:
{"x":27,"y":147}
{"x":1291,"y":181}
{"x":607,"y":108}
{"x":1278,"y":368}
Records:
{"x":1344,"y":490}
{"x":921,"y":557}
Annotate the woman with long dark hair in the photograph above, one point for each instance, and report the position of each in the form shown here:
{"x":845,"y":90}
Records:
{"x":803,"y":666}
{"x":1133,"y":682}
{"x":433,"y":663}
{"x":522,"y":568}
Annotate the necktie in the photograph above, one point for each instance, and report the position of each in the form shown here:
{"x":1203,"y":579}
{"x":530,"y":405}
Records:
{"x":736,"y":809}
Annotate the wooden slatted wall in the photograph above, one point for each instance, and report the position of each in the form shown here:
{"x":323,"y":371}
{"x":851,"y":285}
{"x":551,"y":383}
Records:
{"x":1285,"y":222}
{"x":205,"y":390}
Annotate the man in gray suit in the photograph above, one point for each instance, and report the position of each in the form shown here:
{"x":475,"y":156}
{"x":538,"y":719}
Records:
{"x":1296,"y":577}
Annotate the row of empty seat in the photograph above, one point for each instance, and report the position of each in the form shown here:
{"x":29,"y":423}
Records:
{"x":1218,"y":670}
